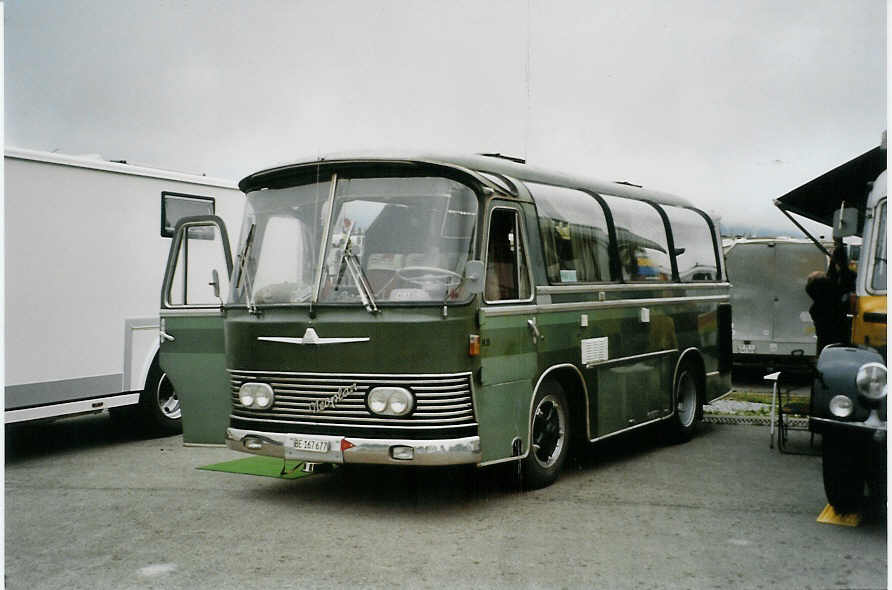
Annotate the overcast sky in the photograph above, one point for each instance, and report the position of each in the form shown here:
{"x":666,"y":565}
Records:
{"x":729,"y":103}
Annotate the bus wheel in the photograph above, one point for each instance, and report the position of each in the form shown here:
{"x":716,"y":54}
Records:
{"x":159,"y":404}
{"x":688,"y":399}
{"x":549,"y":438}
{"x":844,"y":473}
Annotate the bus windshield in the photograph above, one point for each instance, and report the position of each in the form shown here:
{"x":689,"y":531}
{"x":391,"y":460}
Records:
{"x":386,"y":240}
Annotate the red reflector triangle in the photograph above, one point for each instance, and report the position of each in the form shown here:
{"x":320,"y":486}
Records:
{"x":346,"y":444}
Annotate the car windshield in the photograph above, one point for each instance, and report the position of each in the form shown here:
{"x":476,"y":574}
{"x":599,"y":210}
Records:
{"x":389,"y":240}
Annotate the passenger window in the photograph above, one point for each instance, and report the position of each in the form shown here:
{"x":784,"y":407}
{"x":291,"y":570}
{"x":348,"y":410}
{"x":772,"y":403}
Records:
{"x":574,"y":234}
{"x":641,"y":240}
{"x":694,"y":246}
{"x":507,"y":274}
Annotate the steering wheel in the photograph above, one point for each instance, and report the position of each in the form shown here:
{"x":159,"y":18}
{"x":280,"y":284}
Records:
{"x":422,"y":275}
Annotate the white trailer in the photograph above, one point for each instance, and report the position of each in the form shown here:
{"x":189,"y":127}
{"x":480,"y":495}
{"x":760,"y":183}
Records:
{"x":86,"y":244}
{"x":771,"y":325}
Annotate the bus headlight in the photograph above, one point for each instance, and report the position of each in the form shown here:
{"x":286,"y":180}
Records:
{"x":390,"y":401}
{"x":841,"y":406}
{"x":258,"y":396}
{"x":871,"y":381}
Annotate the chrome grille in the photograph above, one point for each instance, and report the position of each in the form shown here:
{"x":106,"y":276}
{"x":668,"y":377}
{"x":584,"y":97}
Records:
{"x":441,"y":401}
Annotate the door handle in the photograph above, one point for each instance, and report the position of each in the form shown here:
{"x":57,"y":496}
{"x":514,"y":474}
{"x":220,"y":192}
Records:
{"x":531,"y":324}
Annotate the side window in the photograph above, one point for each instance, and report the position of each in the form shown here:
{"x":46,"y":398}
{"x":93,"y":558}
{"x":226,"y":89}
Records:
{"x":175,"y":206}
{"x":507,"y":274}
{"x":574,"y":232}
{"x":694,"y":245}
{"x":199,"y":251}
{"x":878,"y":280}
{"x":641,"y":240}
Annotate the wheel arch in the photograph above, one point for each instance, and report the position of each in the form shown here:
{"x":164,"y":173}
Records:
{"x":571,"y":381}
{"x":694,"y":357}
{"x":150,"y":359}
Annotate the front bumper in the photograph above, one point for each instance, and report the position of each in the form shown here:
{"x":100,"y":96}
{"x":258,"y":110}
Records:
{"x":341,"y":449}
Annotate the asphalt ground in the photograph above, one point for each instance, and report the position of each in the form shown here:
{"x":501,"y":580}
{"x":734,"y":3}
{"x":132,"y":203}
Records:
{"x":90,"y":506}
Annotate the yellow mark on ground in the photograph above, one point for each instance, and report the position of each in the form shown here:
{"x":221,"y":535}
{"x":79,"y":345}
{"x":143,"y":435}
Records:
{"x":829,"y":516}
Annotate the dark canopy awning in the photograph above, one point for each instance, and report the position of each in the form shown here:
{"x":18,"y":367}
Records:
{"x":850,"y":182}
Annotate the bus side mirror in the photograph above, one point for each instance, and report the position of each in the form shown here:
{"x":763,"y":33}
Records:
{"x":845,"y":222}
{"x":474,"y":276}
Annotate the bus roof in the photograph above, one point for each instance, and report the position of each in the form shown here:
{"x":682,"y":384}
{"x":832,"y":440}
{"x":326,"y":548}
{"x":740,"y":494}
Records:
{"x":475,"y":163}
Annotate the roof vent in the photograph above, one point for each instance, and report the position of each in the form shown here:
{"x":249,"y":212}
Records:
{"x":504,"y":157}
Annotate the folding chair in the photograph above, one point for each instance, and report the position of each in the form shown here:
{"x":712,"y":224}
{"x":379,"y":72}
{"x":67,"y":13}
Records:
{"x":783,"y":409}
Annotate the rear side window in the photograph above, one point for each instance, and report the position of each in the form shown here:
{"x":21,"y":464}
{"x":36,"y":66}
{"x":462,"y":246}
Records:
{"x":641,"y":240}
{"x":574,"y":234}
{"x":694,"y":245}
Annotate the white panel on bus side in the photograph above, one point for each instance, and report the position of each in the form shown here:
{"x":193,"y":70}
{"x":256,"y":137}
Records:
{"x":140,"y":346}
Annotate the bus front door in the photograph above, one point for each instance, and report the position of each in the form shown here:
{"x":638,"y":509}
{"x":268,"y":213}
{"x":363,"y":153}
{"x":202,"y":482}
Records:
{"x":191,"y":339}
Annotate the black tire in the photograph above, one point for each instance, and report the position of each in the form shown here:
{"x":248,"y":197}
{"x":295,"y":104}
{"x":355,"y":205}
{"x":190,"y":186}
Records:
{"x":549,"y":437}
{"x":687,"y":395}
{"x":159,"y":406}
{"x":845,"y":472}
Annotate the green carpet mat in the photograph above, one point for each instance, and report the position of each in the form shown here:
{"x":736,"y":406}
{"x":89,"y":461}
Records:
{"x":265,"y":466}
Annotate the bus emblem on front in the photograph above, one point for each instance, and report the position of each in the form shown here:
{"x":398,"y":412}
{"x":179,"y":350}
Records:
{"x":321,"y":405}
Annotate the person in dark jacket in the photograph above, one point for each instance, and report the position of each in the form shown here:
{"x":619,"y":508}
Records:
{"x":830,"y":293}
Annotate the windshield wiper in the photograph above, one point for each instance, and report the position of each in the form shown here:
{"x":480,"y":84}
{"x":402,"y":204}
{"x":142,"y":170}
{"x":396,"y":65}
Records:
{"x":350,"y":261}
{"x":242,"y":270}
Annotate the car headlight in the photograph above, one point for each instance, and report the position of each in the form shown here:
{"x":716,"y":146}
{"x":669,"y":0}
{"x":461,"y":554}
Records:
{"x":871,"y":381}
{"x":258,"y":396}
{"x":390,"y":401}
{"x":841,"y":406}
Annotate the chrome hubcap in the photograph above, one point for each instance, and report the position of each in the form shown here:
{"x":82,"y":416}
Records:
{"x":549,"y":426}
{"x":686,"y":400}
{"x":167,"y":398}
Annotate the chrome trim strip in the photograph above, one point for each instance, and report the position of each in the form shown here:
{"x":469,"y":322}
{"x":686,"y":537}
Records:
{"x":449,"y":426}
{"x":713,"y":374}
{"x":594,"y":305}
{"x":191,"y":311}
{"x":64,"y":409}
{"x":634,"y":357}
{"x":351,"y":376}
{"x":595,"y":287}
{"x":861,"y":425}
{"x":455,"y":451}
{"x":632,"y":427}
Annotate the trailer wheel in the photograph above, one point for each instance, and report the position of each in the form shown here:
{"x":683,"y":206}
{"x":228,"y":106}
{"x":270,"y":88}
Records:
{"x":159,"y":405}
{"x":549,"y":437}
{"x":688,"y":398}
{"x":845,"y":472}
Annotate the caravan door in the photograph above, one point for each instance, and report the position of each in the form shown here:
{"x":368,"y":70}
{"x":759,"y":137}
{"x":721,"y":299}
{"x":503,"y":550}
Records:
{"x":191,"y":350}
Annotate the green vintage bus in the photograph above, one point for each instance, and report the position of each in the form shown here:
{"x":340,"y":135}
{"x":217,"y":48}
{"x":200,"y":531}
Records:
{"x":432,"y":310}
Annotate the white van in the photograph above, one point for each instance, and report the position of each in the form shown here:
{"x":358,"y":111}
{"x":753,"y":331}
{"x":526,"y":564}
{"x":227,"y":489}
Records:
{"x":86,"y":241}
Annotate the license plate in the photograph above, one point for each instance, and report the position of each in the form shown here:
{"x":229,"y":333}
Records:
{"x":750,"y":348}
{"x":311,"y":444}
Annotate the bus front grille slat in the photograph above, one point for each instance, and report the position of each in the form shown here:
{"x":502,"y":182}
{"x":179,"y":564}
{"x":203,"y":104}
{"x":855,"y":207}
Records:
{"x":441,"y":401}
